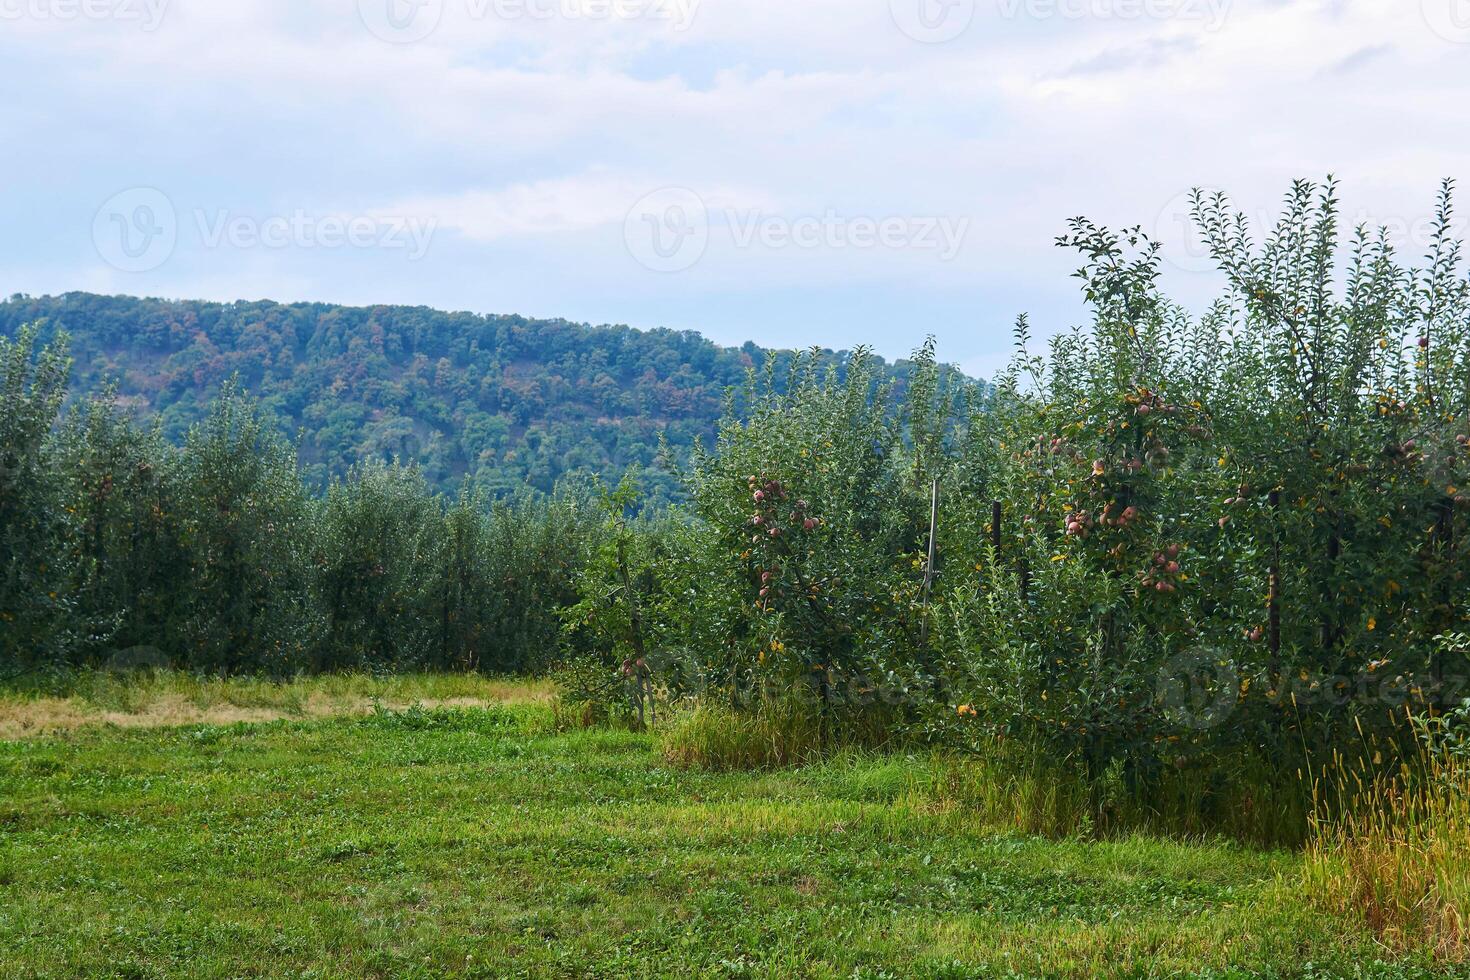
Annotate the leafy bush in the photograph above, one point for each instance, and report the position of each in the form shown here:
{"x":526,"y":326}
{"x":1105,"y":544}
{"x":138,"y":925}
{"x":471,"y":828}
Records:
{"x":245,"y":523}
{"x":1227,"y":538}
{"x":380,"y":550}
{"x":123,"y":551}
{"x":812,"y":514}
{"x":131,"y":559}
{"x":34,"y":560}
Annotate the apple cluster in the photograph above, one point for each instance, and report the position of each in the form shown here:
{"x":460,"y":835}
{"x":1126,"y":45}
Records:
{"x":773,"y":518}
{"x":1165,"y":574}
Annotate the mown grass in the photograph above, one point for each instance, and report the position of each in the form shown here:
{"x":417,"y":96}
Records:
{"x":483,"y":842}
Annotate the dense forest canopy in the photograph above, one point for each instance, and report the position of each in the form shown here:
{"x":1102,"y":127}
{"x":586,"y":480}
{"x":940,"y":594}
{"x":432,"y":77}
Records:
{"x":507,"y":401}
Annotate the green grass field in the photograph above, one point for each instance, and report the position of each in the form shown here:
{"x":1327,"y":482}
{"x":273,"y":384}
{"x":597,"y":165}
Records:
{"x":480,"y":842}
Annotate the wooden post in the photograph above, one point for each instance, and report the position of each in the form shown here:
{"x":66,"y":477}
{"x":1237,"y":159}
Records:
{"x":635,"y":614}
{"x":635,"y":624}
{"x":1444,"y":536}
{"x":1273,"y":593}
{"x":1331,"y":632}
{"x":933,"y":550}
{"x":995,"y":528}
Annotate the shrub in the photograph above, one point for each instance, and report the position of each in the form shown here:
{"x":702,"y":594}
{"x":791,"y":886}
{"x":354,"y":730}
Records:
{"x":120,"y":486}
{"x":589,"y":693}
{"x":245,"y":522}
{"x":1225,"y":538}
{"x":380,"y":559}
{"x":533,"y":551}
{"x":811,"y":514}
{"x":36,"y":630}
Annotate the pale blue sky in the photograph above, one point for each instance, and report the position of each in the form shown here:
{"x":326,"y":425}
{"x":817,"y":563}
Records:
{"x":790,"y":171}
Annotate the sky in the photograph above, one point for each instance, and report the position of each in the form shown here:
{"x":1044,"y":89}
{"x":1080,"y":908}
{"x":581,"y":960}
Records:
{"x":793,"y":172}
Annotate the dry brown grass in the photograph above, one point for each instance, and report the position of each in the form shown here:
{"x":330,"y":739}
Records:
{"x":155,"y":700}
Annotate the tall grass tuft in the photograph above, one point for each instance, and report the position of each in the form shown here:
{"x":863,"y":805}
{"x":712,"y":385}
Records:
{"x":1394,"y":848}
{"x":776,"y":734}
{"x":1010,"y":790}
{"x":1015,"y":785}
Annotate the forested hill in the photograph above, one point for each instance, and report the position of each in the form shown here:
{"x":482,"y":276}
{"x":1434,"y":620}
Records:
{"x":508,"y":400}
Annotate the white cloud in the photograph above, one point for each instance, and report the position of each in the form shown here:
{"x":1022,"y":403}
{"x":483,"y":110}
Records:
{"x":548,"y":207}
{"x":530,"y":137}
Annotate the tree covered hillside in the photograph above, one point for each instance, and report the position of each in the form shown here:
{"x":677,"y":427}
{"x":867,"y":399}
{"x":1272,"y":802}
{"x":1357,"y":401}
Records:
{"x":507,"y":400}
